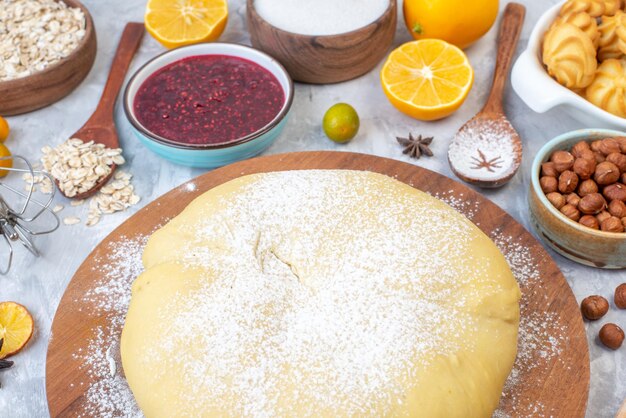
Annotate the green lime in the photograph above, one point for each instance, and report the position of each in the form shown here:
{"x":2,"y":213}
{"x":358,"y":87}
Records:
{"x":341,"y":123}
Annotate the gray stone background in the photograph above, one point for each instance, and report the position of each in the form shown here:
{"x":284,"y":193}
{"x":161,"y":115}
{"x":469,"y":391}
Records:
{"x":40,"y":283}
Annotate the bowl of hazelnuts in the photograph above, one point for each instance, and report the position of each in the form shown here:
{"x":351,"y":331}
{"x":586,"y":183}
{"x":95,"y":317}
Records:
{"x":578,"y":196}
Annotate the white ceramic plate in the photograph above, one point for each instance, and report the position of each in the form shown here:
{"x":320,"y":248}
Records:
{"x":541,"y":92}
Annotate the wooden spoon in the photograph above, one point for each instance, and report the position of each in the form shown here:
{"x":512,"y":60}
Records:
{"x":100,"y":127}
{"x":487,"y":151}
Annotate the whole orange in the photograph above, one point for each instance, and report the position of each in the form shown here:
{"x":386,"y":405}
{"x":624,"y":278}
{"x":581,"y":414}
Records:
{"x":459,"y":22}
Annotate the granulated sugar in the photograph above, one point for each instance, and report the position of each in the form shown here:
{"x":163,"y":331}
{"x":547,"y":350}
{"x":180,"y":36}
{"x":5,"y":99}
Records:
{"x":320,"y":17}
{"x":540,"y":340}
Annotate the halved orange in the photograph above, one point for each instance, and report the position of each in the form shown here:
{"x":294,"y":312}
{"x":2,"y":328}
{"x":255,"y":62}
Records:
{"x":427,"y":79}
{"x":16,"y":327}
{"x":176,"y":23}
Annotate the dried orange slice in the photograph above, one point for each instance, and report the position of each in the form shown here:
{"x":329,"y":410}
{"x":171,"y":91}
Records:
{"x":16,"y":327}
{"x":176,"y":23}
{"x":4,"y":129}
{"x":427,"y":79}
{"x":7,"y":162}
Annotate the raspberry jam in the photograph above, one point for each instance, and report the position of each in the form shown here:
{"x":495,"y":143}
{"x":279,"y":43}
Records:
{"x":208,"y":99}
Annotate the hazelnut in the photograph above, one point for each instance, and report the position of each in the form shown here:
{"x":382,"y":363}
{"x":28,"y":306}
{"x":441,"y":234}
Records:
{"x":617,"y":208}
{"x":557,"y":199}
{"x":608,"y":146}
{"x":611,"y":224}
{"x":589,"y":221}
{"x":548,"y":184}
{"x":615,"y":191}
{"x":595,"y":145}
{"x":568,"y":182}
{"x":602,"y":216}
{"x":579,"y":148}
{"x":623,"y":178}
{"x":548,"y":169}
{"x":606,"y":173}
{"x":585,"y":168}
{"x":620,"y":296}
{"x":573,"y":199}
{"x":587,"y":155}
{"x":618,"y":159}
{"x":622,"y":143}
{"x":592,"y":204}
{"x":594,"y":307}
{"x":587,"y":187}
{"x":611,"y":336}
{"x":562,"y":160}
{"x":571,"y":212}
{"x":599,"y":157}
{"x":624,"y":223}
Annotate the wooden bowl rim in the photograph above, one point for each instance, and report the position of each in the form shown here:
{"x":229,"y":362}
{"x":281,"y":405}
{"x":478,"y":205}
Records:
{"x":89,"y":33}
{"x":390,"y":9}
{"x":557,"y":143}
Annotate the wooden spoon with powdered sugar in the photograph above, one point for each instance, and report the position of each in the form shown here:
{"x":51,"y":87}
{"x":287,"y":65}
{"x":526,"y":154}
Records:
{"x":100,"y":127}
{"x":487,"y":150}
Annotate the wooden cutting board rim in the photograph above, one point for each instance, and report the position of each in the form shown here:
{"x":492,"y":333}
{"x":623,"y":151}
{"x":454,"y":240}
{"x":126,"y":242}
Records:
{"x":65,"y":399}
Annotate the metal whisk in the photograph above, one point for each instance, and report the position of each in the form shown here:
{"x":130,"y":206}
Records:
{"x":19,"y":213}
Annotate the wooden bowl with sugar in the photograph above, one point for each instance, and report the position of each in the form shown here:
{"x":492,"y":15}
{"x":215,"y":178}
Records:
{"x":325,"y":59}
{"x":51,"y":84}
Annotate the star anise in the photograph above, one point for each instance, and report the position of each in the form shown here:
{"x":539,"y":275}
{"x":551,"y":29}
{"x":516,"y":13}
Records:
{"x":415,"y":147}
{"x":4,"y":364}
{"x":482,"y":162}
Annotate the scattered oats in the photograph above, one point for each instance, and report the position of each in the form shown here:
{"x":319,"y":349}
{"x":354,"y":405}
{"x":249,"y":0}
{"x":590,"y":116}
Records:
{"x":35,"y":34}
{"x":57,"y":208}
{"x":71,"y":220}
{"x":77,"y":166}
{"x":92,"y":220}
{"x":46,"y":186}
{"x":113,"y":197}
{"x":77,"y":202}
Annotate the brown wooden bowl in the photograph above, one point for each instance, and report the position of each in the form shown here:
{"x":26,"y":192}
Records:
{"x":45,"y":87}
{"x":325,"y":59}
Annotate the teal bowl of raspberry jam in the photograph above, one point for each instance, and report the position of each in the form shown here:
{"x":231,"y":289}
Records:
{"x":209,"y":105}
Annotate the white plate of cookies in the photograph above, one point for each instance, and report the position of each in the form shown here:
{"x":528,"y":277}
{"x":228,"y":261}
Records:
{"x":576,"y":57}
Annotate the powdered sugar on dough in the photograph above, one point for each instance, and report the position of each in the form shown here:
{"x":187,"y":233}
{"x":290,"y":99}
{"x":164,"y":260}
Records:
{"x":539,"y":340}
{"x":303,"y":278}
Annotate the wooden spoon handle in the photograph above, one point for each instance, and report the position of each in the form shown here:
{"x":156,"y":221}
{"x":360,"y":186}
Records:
{"x":129,"y":43}
{"x":510,"y":29}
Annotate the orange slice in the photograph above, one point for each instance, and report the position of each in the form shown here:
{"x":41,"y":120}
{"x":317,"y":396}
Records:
{"x":4,"y":129}
{"x":427,"y":79}
{"x":16,"y":327}
{"x":176,"y":23}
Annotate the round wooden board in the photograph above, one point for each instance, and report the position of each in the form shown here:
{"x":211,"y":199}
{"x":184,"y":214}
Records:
{"x":556,"y":385}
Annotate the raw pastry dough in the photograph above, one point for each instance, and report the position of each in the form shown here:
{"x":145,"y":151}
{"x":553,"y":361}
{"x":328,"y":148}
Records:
{"x":608,"y":88}
{"x":595,"y":8}
{"x":569,"y":55}
{"x":320,"y":294}
{"x":584,"y":22}
{"x":612,"y":36}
